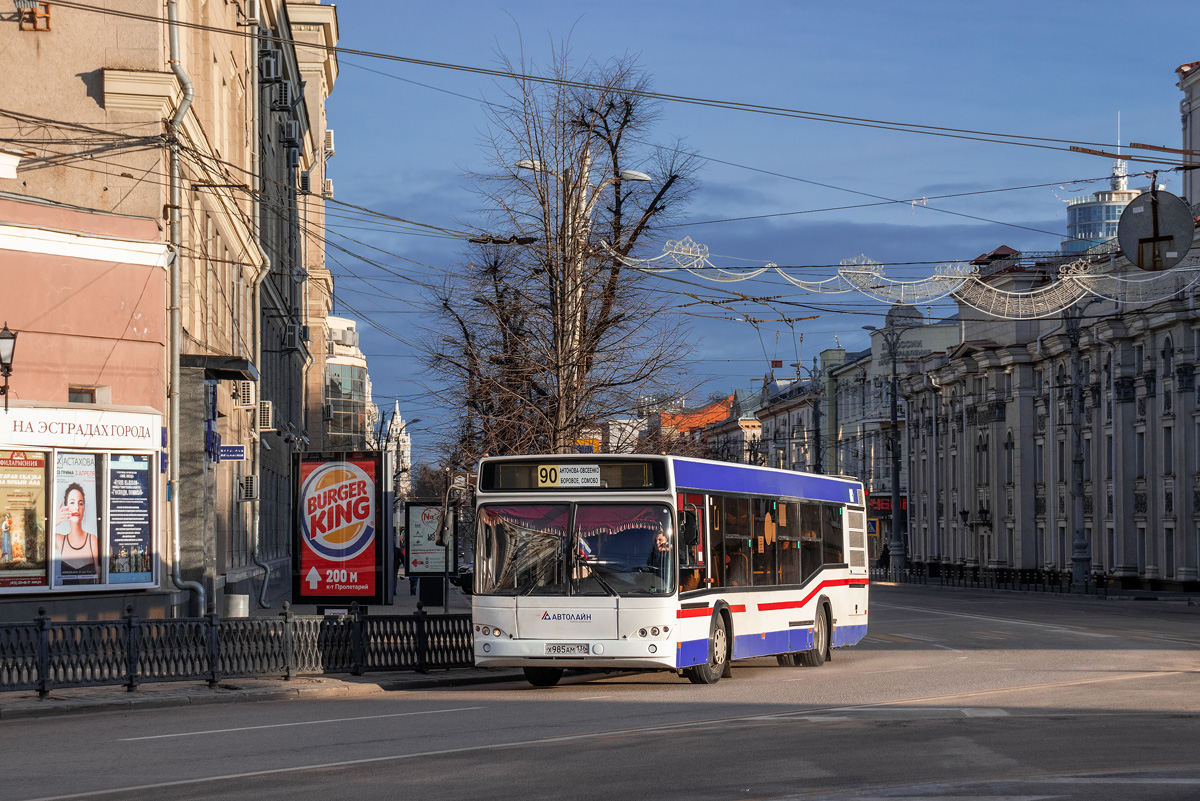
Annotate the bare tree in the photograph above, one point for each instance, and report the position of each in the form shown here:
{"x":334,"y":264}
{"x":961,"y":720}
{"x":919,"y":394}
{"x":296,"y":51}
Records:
{"x":548,"y":338}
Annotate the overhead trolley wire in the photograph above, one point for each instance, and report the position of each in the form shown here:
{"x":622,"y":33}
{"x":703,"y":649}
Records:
{"x":1023,"y":140}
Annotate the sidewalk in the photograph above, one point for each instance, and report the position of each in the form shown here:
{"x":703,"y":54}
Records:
{"x":152,"y":695}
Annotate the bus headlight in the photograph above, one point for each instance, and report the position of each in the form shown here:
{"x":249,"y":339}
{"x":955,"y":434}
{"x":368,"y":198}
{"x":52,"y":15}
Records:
{"x":654,"y":631}
{"x":641,"y":632}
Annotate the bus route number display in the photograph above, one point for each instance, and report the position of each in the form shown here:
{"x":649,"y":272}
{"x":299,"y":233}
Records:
{"x":568,"y":476}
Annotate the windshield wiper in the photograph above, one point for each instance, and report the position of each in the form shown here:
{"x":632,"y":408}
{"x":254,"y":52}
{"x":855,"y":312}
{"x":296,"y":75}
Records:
{"x":596,"y":575}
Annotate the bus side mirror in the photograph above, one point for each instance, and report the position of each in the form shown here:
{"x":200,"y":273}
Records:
{"x":689,"y":533}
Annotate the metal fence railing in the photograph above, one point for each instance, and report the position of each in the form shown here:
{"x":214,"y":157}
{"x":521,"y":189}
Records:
{"x":991,"y":578}
{"x":42,"y":655}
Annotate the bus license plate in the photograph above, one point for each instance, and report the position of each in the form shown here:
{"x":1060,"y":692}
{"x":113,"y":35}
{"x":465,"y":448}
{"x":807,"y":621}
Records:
{"x":566,"y":649}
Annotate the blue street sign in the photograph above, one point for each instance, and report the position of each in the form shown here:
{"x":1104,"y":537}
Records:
{"x":231,"y":453}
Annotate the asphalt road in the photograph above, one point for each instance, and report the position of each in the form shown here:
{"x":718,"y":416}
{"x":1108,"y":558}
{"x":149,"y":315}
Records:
{"x":954,"y":694}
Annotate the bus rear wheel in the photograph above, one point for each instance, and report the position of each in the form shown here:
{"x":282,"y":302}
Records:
{"x":816,"y":657}
{"x":543,"y":676}
{"x":718,"y":653}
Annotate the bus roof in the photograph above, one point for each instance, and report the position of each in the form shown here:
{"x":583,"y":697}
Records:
{"x":709,"y":476}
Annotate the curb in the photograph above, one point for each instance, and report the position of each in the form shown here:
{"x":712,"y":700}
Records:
{"x":119,"y":700}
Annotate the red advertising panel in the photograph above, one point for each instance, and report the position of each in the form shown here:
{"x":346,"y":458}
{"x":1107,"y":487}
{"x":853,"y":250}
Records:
{"x":339,"y":556}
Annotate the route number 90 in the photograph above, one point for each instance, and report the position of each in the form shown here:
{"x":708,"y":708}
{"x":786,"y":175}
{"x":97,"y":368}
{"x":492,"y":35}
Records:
{"x":547,"y":475}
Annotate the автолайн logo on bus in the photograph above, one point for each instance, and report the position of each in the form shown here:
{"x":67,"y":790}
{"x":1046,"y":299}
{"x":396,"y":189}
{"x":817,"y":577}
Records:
{"x":337,"y":518}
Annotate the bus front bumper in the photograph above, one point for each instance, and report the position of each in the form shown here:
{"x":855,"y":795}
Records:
{"x":636,"y":654}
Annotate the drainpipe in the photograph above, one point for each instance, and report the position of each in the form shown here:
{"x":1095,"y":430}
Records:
{"x":256,"y":293}
{"x":256,"y":522}
{"x":1054,"y":330}
{"x":176,"y":321}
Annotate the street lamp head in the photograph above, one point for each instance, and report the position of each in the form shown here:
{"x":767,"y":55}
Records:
{"x":634,"y":175}
{"x":8,"y":343}
{"x":870,"y":328}
{"x":530,"y":164}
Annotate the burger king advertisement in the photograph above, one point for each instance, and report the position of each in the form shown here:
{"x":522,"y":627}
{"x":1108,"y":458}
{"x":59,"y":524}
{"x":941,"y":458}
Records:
{"x":340,"y":554}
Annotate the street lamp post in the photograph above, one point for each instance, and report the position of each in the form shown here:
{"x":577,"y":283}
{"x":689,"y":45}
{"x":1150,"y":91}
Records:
{"x":579,"y":198}
{"x":8,"y":344}
{"x":891,"y":338}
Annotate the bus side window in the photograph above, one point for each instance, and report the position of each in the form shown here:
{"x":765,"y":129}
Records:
{"x":692,"y":558}
{"x":716,"y":542}
{"x":832,"y":532}
{"x":811,"y":540}
{"x":765,"y":545}
{"x":737,"y":539}
{"x":789,"y":543}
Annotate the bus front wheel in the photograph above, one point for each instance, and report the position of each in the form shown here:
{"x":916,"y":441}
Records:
{"x":816,"y":657}
{"x":718,"y":653}
{"x":543,"y":676}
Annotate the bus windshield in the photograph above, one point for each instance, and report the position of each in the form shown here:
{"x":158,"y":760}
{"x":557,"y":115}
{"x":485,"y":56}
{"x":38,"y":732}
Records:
{"x":607,"y":549}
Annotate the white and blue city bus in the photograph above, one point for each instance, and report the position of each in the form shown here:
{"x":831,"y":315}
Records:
{"x":663,"y":563}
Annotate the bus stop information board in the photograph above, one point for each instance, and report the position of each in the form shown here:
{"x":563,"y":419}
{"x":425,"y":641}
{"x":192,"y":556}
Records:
{"x":339,"y":556}
{"x":423,"y":556}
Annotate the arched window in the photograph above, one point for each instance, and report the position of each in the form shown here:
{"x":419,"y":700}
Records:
{"x":981,"y":453}
{"x":1009,"y":449}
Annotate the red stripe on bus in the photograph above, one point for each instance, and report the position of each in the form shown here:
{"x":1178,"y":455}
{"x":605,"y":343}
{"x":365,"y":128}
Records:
{"x":797,"y":604}
{"x":682,"y":613}
{"x":737,"y":608}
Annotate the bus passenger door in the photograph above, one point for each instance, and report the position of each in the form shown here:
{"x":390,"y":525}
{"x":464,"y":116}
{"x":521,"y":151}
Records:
{"x":693,"y":542}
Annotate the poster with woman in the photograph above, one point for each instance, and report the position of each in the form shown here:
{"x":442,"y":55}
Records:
{"x":23,"y":483}
{"x":76,"y":546}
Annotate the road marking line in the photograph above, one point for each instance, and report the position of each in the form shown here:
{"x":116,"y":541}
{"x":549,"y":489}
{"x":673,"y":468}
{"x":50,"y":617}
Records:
{"x":1011,"y":621}
{"x":297,"y":723}
{"x":983,"y":712}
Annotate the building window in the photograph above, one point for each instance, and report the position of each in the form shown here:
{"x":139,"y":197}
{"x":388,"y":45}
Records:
{"x":1139,"y":454}
{"x":81,"y":394}
{"x":1009,"y":448}
{"x":1168,"y":449}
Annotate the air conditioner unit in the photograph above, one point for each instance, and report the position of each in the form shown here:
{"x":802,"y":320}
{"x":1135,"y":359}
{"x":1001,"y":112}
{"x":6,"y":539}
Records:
{"x":266,"y":416}
{"x":328,"y":187}
{"x":330,"y":152}
{"x":248,"y":488}
{"x":306,"y":182}
{"x":291,"y":337}
{"x":293,"y":157}
{"x":245,"y":394}
{"x":251,"y":17}
{"x":268,"y":67}
{"x":305,"y":334}
{"x":291,"y":132}
{"x":283,"y":97}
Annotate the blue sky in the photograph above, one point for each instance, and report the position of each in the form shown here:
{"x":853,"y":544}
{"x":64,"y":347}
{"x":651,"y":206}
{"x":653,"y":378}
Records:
{"x":406,"y":140}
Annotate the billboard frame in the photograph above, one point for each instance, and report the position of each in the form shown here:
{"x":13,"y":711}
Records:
{"x":381,"y":547}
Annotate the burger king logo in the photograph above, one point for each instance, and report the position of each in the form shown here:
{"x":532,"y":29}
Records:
{"x":337,"y":515}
